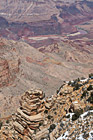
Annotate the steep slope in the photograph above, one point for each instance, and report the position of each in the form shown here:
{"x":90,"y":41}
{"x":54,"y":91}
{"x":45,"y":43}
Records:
{"x":24,"y":67}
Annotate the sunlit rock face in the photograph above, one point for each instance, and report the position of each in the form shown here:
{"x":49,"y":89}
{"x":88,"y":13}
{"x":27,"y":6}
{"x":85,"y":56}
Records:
{"x":30,"y":113}
{"x":38,"y":117}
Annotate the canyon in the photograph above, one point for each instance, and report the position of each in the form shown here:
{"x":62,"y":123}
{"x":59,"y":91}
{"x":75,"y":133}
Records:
{"x":32,"y":18}
{"x":23,"y":67}
{"x":42,"y":44}
{"x":46,"y":51}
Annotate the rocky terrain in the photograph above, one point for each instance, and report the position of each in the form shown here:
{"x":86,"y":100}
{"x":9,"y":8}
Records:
{"x":67,"y":114}
{"x":44,"y":44}
{"x":26,"y":18}
{"x":23,"y":67}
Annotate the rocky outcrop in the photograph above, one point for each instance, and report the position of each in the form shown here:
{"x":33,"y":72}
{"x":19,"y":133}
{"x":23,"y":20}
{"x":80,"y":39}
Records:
{"x":49,"y":118}
{"x":8,"y":70}
{"x":31,"y":112}
{"x":30,"y":117}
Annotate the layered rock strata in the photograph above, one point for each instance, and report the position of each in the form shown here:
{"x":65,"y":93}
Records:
{"x":8,"y":70}
{"x":30,"y":114}
{"x":70,"y":110}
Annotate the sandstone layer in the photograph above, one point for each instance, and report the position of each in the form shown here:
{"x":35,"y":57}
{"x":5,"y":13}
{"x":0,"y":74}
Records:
{"x":67,"y":114}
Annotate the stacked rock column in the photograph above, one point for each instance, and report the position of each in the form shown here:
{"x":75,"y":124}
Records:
{"x":31,"y":112}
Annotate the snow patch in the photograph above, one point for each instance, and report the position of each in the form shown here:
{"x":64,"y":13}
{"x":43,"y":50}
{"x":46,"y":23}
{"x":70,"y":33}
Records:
{"x":80,"y":137}
{"x":64,"y":136}
{"x":90,"y":135}
{"x":84,"y":80}
{"x":76,"y":102}
{"x":71,"y":114}
{"x":85,"y":114}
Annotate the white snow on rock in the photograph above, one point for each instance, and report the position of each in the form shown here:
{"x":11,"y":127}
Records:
{"x":76,"y":102}
{"x":80,"y":137}
{"x":64,"y":136}
{"x":85,"y":114}
{"x":90,"y":135}
{"x":71,"y":114}
{"x":84,"y":80}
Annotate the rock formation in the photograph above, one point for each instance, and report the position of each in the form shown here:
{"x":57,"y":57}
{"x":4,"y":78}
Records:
{"x":53,"y":118}
{"x":31,"y":112}
{"x":37,"y":117}
{"x":8,"y":70}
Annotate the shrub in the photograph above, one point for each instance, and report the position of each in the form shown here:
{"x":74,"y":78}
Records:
{"x":76,"y":87}
{"x":46,"y":111}
{"x":68,"y":116}
{"x":91,"y":108}
{"x":7,"y":121}
{"x":85,"y":136}
{"x":84,"y":94}
{"x":75,"y":117}
{"x":90,"y":87}
{"x":69,"y":83}
{"x":90,"y":75}
{"x":61,"y":124}
{"x":77,"y":114}
{"x":55,"y":113}
{"x":86,"y":108}
{"x":78,"y":80}
{"x":52,"y":127}
{"x":54,"y":109}
{"x":49,"y":117}
{"x":57,"y":91}
{"x":1,"y":124}
{"x":90,"y":99}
